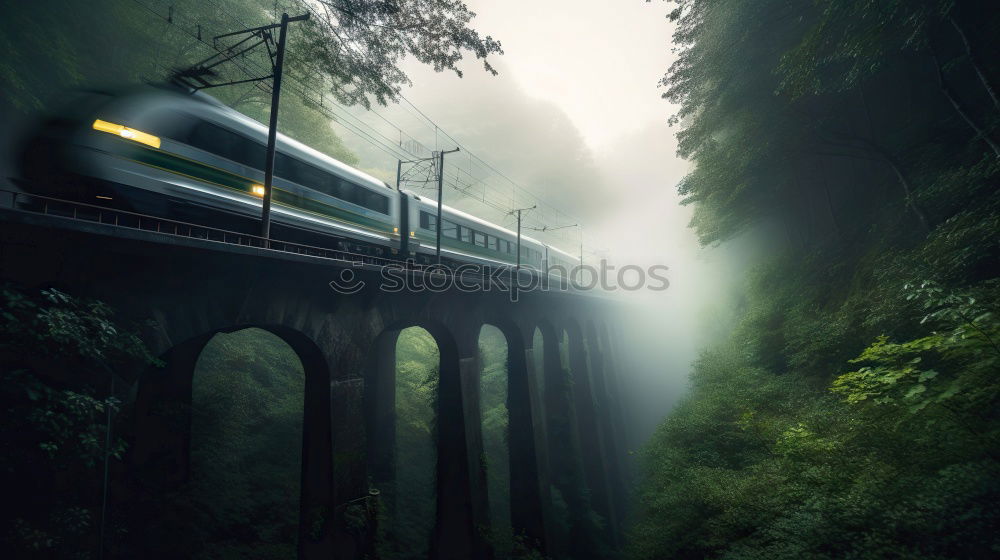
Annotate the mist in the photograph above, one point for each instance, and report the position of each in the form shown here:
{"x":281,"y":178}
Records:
{"x":595,"y":146}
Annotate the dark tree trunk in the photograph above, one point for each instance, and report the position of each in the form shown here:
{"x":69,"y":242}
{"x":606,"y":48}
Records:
{"x":975,"y":63}
{"x":907,"y":189}
{"x":962,"y":111}
{"x":829,"y":201}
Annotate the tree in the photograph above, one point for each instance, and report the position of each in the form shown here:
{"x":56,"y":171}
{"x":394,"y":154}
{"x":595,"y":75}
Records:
{"x":360,"y":44}
{"x":58,"y":355}
{"x":852,"y":413}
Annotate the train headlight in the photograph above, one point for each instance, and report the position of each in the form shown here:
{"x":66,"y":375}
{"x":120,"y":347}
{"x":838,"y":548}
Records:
{"x":127,"y":133}
{"x":258,"y":190}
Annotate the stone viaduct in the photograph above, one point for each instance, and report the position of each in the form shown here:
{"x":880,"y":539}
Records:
{"x":565,"y":429}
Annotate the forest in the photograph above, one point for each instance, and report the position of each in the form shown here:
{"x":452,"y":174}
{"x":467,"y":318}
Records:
{"x":852,"y":411}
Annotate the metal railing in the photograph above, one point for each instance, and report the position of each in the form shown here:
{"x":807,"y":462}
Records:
{"x":93,"y":213}
{"x":39,"y":204}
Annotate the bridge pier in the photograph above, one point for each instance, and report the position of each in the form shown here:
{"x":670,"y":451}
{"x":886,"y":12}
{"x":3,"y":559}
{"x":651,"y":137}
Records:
{"x":462,"y":526}
{"x":528,"y":502}
{"x":380,"y":418}
{"x":609,"y":457}
{"x":589,"y":430}
{"x":611,"y":414}
{"x":575,"y":535}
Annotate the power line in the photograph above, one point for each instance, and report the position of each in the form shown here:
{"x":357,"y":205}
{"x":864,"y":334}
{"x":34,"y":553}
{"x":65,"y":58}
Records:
{"x":352,"y":123}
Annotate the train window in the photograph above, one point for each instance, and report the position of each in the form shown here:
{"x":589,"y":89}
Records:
{"x":480,"y":238}
{"x":230,"y":145}
{"x":504,"y":246}
{"x":449,"y":229}
{"x":428,"y":221}
{"x":221,"y":142}
{"x":225,"y":143}
{"x":376,"y":202}
{"x":293,"y":170}
{"x":312,"y":177}
{"x":354,"y":195}
{"x":335,"y":187}
{"x":466,"y":234}
{"x":492,"y":243}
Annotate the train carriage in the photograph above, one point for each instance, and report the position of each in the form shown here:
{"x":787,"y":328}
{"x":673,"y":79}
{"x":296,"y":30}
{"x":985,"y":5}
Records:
{"x":466,"y":238}
{"x":176,"y":155}
{"x":187,"y":157}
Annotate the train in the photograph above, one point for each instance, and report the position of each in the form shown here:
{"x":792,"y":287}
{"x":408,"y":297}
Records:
{"x":186,"y":156}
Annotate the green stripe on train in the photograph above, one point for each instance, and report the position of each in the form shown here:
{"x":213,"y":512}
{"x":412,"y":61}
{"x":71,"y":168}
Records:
{"x":203,"y":172}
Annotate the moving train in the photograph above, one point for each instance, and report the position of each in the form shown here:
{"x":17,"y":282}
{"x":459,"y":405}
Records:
{"x":186,"y":156}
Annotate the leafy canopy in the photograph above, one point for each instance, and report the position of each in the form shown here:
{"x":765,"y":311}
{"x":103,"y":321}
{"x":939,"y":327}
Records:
{"x":360,"y":44}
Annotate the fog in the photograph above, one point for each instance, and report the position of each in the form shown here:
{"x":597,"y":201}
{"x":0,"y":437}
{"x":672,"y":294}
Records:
{"x":575,"y":117}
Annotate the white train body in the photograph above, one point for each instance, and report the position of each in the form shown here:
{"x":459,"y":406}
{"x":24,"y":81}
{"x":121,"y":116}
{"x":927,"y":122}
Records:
{"x":182,"y":156}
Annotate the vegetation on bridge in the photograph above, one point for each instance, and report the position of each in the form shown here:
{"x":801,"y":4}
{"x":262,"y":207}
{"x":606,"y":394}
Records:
{"x":853,"y":411}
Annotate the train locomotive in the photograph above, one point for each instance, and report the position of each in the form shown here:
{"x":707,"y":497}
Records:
{"x":186,"y":156}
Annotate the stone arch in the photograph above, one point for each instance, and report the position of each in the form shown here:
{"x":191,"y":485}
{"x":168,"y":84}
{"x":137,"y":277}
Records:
{"x":455,"y":533}
{"x":524,"y":432}
{"x":159,"y":460}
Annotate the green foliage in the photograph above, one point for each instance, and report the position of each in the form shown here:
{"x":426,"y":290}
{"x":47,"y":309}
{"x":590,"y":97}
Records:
{"x":246,"y":447}
{"x":829,"y":117}
{"x":953,"y":368}
{"x":897,"y":458}
{"x":851,"y":40}
{"x":852,"y":414}
{"x":493,"y":409}
{"x":53,"y":348}
{"x":411,"y":520}
{"x":366,"y":40}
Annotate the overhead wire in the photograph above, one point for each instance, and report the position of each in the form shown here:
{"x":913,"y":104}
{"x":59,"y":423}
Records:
{"x":491,"y":196}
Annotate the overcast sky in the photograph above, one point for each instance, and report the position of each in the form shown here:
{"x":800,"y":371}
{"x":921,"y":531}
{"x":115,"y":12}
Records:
{"x":576,"y":117}
{"x":597,"y":60}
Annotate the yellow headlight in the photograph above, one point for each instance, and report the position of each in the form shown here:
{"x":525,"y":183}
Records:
{"x":258,"y":190}
{"x":127,"y":133}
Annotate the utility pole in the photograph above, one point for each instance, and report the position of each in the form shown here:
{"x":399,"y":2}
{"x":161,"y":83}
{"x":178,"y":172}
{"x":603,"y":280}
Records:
{"x":272,"y":132}
{"x":196,"y":78}
{"x":518,"y":211}
{"x":399,"y":169}
{"x":441,"y":154}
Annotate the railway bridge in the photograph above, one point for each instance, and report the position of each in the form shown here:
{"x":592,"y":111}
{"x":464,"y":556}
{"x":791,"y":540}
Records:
{"x":190,"y":282}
